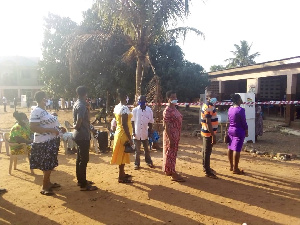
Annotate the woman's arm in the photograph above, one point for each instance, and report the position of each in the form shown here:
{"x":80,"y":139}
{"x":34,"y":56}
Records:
{"x":124,"y":118}
{"x":35,"y":127}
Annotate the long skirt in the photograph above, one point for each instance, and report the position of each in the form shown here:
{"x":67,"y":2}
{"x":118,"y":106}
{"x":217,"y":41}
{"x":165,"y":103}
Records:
{"x":44,"y":155}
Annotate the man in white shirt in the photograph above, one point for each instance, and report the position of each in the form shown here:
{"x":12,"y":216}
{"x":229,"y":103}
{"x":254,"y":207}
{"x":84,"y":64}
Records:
{"x":142,"y":121}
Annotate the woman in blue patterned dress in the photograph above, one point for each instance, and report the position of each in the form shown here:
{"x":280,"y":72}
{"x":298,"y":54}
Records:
{"x":46,"y":142}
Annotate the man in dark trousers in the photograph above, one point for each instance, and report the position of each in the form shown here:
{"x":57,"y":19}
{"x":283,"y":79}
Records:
{"x":82,"y":136}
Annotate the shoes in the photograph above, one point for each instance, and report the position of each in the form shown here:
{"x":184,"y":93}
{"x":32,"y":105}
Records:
{"x":89,"y":188}
{"x":136,"y":167}
{"x":2,"y":190}
{"x":150,"y":165}
{"x":239,"y":172}
{"x":88,"y":183}
{"x":125,"y":180}
{"x":211,"y":175}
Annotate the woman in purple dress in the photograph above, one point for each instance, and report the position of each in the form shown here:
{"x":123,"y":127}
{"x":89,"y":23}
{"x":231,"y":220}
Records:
{"x":237,"y":131}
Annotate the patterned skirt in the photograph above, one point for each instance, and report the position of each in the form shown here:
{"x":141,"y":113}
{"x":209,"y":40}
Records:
{"x":44,"y":155}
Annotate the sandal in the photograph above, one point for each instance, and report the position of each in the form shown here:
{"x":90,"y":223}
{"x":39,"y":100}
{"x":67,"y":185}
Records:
{"x":89,"y":188}
{"x":125,"y":180}
{"x":239,"y":172}
{"x":55,"y":185}
{"x":47,"y":193}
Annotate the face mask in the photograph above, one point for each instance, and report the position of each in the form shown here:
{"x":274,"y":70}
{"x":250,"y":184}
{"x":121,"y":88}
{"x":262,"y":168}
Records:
{"x":174,"y":101}
{"x":142,"y":103}
{"x":213,"y":101}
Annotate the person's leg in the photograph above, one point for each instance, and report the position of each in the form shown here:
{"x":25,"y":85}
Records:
{"x":46,"y":180}
{"x":147,"y":153}
{"x":137,"y":144}
{"x":206,"y":152}
{"x":121,"y":171}
{"x":83,"y":156}
{"x":236,"y":160}
{"x":230,"y":158}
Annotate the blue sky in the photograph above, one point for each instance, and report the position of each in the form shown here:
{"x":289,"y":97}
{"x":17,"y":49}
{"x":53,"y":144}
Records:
{"x":271,"y":27}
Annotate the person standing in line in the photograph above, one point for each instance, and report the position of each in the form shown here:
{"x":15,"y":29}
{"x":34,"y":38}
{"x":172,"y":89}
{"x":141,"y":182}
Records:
{"x":209,"y":126}
{"x":237,"y":131}
{"x":44,"y":149}
{"x":259,"y":124}
{"x":4,"y":101}
{"x":172,"y":121}
{"x":82,"y":137}
{"x":142,"y":120}
{"x":15,"y":103}
{"x":122,"y":135}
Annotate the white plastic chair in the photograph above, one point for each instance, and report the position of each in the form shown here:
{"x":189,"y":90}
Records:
{"x":13,"y":158}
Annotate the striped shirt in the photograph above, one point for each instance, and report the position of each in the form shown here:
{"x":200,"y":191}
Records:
{"x":208,"y":111}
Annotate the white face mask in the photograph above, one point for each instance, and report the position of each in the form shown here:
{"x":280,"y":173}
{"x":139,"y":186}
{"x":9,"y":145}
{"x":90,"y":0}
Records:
{"x":174,"y":101}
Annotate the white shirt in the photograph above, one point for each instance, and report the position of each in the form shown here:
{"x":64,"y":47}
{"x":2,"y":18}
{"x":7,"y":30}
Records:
{"x":46,"y":120}
{"x":141,"y":118}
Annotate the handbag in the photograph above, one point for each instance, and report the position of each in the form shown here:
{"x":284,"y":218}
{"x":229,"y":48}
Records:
{"x":226,"y":138}
{"x":128,"y":147}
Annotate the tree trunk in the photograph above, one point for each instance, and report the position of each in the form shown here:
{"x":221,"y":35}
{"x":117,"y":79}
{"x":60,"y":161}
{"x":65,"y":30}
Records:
{"x":139,"y":76}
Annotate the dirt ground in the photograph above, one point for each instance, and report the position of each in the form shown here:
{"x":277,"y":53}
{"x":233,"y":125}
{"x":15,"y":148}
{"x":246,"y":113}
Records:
{"x":269,"y":193}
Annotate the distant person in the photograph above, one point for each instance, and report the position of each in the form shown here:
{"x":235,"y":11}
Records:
{"x":122,"y":135}
{"x":82,"y":137}
{"x":28,"y":103}
{"x":172,"y":121}
{"x":15,"y":103}
{"x":142,"y":121}
{"x":209,"y":126}
{"x":237,"y":131}
{"x":46,"y":142}
{"x":4,"y":101}
{"x":259,"y":124}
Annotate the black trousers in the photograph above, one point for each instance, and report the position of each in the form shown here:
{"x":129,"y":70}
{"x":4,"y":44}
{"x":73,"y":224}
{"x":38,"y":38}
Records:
{"x":206,"y":152}
{"x":82,"y":160}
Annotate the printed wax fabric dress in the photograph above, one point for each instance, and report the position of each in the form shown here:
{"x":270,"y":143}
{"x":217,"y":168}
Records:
{"x":19,"y":131}
{"x":237,"y":128}
{"x":174,"y":118}
{"x":119,"y":156}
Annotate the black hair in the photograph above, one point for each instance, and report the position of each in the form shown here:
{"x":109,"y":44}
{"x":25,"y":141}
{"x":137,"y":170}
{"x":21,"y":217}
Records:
{"x":121,"y":94}
{"x":39,"y":96}
{"x":19,"y":116}
{"x":81,"y":91}
{"x":235,"y":98}
{"x":169,"y":93}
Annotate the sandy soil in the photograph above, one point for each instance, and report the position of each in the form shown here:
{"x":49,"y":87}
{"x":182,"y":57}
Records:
{"x":268,"y":194}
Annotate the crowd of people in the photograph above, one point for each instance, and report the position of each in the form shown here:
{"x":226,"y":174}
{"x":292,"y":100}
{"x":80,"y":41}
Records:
{"x":128,"y":128}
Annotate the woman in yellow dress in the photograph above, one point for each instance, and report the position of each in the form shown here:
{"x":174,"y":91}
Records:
{"x":122,"y":135}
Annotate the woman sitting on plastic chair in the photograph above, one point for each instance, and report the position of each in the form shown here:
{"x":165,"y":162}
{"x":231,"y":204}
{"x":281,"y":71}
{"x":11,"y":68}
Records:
{"x":19,"y":139}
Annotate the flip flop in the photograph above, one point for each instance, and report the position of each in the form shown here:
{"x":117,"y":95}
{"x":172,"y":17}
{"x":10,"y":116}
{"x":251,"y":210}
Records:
{"x":239,"y":172}
{"x":211,"y":175}
{"x":47,"y":193}
{"x":55,"y":185}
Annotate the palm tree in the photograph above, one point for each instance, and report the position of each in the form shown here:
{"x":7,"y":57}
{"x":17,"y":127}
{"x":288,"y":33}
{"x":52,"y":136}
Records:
{"x":242,"y":55}
{"x":144,"y":22}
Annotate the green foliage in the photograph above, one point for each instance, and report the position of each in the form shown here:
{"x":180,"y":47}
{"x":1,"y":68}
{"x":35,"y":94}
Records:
{"x":188,"y":79}
{"x":242,"y":56}
{"x":214,"y":68}
{"x":55,"y":65}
